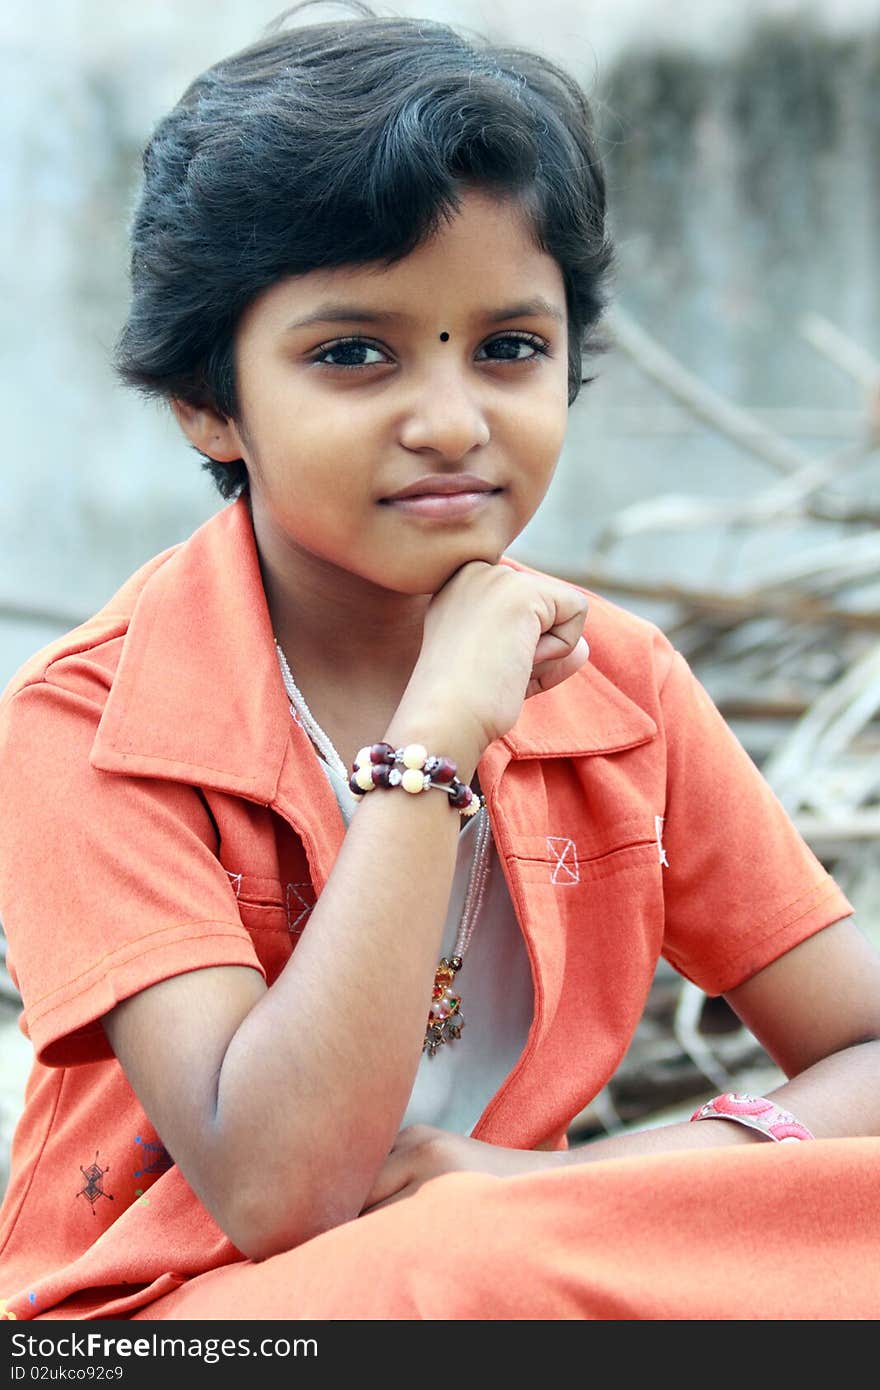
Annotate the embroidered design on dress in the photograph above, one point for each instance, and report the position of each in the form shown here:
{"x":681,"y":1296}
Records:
{"x":566,"y":869}
{"x":156,"y":1158}
{"x":298,"y":906}
{"x":93,"y":1188}
{"x":235,"y":880}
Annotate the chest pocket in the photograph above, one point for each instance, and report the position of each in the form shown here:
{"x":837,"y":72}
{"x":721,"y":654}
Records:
{"x":564,"y":861}
{"x":274,"y":914}
{"x":596,"y":866}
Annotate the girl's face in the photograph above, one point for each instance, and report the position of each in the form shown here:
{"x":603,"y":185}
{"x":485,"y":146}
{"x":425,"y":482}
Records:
{"x":444,"y":376}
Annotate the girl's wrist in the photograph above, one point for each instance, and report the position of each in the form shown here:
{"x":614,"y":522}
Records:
{"x":442,"y":737}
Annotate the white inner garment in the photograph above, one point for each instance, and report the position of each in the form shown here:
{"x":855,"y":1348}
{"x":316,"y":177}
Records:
{"x":452,"y":1088}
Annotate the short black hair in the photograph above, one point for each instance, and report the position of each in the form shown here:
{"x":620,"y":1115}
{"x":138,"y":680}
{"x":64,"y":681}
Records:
{"x":345,"y":142}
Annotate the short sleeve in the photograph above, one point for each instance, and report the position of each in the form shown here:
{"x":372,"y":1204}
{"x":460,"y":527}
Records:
{"x":108,"y":883}
{"x":742,"y":887}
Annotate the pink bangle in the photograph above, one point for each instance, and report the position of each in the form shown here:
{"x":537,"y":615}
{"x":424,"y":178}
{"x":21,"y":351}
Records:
{"x":757,"y":1112}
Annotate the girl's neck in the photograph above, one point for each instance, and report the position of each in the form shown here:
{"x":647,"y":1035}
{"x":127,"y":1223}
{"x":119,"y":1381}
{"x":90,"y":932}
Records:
{"x":332,"y":624}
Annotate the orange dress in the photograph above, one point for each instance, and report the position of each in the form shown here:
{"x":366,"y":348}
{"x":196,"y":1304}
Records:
{"x":152,"y":828}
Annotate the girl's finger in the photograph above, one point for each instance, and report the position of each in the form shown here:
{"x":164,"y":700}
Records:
{"x":556,"y":645}
{"x":551,"y":673}
{"x":563,"y":636}
{"x":389,"y":1180}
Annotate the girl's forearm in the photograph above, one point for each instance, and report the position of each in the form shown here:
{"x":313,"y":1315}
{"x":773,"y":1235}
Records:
{"x":835,"y":1098}
{"x":315,"y":1081}
{"x":838,"y":1096}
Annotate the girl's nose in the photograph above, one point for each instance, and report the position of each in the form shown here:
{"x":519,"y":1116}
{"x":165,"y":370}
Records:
{"x":446,"y":418}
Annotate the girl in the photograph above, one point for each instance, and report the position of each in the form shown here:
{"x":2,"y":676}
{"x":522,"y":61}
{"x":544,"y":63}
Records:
{"x":335,"y":866}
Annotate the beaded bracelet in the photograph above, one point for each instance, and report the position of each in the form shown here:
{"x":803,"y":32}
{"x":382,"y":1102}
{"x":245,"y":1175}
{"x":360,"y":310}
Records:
{"x":757,"y":1112}
{"x":379,"y":765}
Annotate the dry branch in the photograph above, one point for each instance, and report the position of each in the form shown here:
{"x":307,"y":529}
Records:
{"x":701,"y":400}
{"x":840,"y":349}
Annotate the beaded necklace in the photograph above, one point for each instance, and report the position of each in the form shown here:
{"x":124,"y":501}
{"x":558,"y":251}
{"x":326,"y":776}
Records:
{"x":445,"y":1020}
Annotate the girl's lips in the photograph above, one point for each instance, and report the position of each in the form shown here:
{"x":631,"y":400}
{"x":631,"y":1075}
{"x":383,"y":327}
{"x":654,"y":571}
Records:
{"x":435,"y":506}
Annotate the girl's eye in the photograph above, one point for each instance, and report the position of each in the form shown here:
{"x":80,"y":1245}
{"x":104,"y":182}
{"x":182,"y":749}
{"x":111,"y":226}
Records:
{"x":513,"y":347}
{"x":350,"y":352}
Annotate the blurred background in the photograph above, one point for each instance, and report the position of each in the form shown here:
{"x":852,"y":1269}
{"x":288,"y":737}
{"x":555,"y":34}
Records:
{"x":721,"y":473}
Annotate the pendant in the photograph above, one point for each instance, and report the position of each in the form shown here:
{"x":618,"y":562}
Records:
{"x":444,"y":1017}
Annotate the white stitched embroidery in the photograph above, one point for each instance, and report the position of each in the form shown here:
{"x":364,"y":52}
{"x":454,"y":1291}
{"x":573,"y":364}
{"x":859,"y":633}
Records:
{"x":295,"y":902}
{"x":235,"y":880}
{"x":565,"y":865}
{"x":658,"y":835}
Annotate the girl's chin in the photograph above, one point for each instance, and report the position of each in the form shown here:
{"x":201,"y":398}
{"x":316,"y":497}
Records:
{"x":430,"y":579}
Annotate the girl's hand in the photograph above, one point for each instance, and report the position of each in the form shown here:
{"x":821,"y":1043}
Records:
{"x":494,"y":636}
{"x":422,"y":1152}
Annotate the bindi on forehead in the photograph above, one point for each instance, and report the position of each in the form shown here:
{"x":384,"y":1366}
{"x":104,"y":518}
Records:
{"x":444,"y":337}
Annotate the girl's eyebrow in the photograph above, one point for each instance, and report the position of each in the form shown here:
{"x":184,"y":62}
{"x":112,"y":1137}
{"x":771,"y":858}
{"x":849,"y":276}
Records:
{"x":333,"y":312}
{"x":343,"y":313}
{"x":537,"y":307}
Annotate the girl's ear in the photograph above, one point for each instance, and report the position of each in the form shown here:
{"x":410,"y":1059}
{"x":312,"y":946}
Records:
{"x":211,"y":433}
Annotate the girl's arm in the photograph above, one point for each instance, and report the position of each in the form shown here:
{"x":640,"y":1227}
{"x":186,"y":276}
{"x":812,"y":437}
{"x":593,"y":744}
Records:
{"x":280,"y":1105}
{"x":816,"y":1010}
